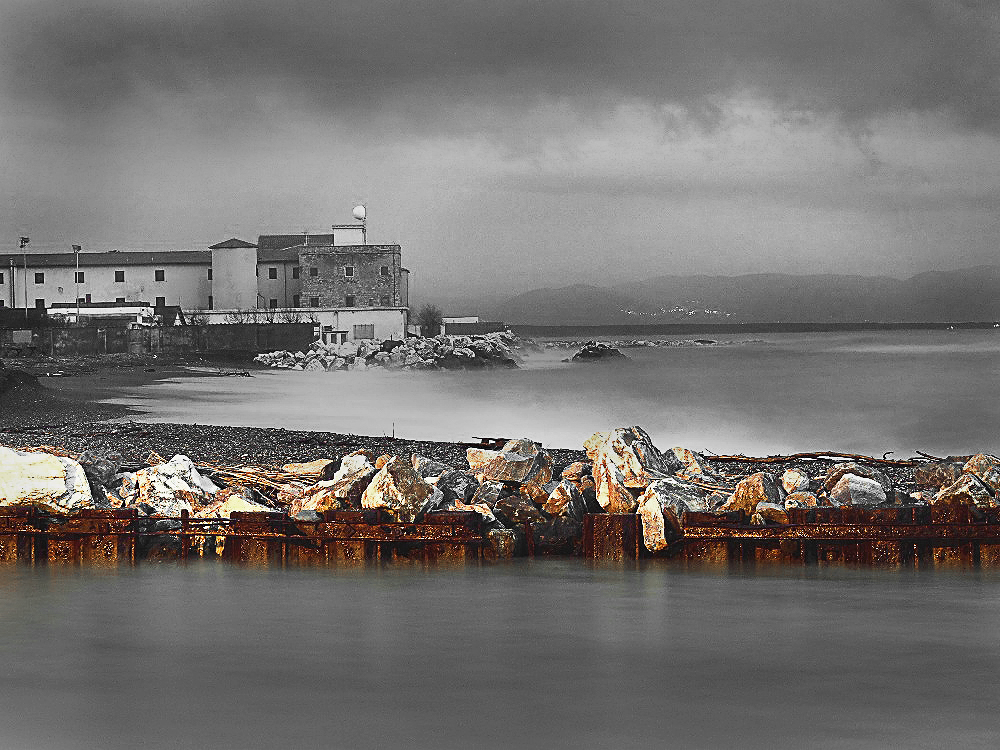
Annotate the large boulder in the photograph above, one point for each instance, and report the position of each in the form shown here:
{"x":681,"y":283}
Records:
{"x":428,"y":467}
{"x":516,"y":510}
{"x":937,"y":475}
{"x":230,"y":500}
{"x":624,"y":459}
{"x":596,"y":351}
{"x":580,"y":473}
{"x":987,"y":468}
{"x":321,"y":468}
{"x":768,"y":513}
{"x":969,"y":490}
{"x":343,"y":492}
{"x":754,"y":489}
{"x":661,"y":509}
{"x":686,"y":463}
{"x":457,"y":485}
{"x":565,"y":500}
{"x":795,"y":480}
{"x":55,"y":483}
{"x":169,"y":488}
{"x":801,"y":500}
{"x":860,"y":470}
{"x":518,"y":461}
{"x":401,"y":490}
{"x":854,"y":490}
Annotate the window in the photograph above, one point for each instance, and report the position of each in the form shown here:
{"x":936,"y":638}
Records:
{"x":272,"y":303}
{"x":210,"y":300}
{"x":383,"y":271}
{"x":39,"y":278}
{"x":272,"y":273}
{"x":209,"y":274}
{"x":161,"y":302}
{"x":119,"y":299}
{"x":2,"y":303}
{"x":78,"y":277}
{"x":119,"y":277}
{"x":88,"y":299}
{"x":313,"y":271}
{"x":296,"y":300}
{"x":349,"y":300}
{"x":314,"y":302}
{"x":1,"y":278}
{"x":296,"y":271}
{"x":366,"y":331}
{"x":348,"y":272}
{"x":159,"y":275}
{"x":81,"y":300}
{"x":384,"y":301}
{"x":40,"y":304}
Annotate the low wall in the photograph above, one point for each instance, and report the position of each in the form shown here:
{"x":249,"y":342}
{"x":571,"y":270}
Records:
{"x":250,"y":338}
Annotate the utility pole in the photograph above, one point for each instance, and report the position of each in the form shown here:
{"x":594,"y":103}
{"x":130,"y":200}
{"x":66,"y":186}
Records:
{"x":24,"y":253}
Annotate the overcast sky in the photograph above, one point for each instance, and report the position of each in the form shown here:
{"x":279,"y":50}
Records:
{"x":512,"y":145}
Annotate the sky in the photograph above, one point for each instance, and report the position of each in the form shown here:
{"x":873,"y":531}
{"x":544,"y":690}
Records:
{"x":511,"y":145}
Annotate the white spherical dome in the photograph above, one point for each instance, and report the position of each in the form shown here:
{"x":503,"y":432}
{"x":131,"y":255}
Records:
{"x":359,"y":213}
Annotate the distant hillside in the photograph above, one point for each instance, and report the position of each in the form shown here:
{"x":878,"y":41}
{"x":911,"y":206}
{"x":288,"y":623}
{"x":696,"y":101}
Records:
{"x":965,"y":294}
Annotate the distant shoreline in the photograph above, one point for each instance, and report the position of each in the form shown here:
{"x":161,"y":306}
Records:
{"x":679,"y":329}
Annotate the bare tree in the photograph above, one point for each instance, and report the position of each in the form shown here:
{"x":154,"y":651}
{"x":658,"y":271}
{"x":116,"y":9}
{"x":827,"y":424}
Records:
{"x":429,"y":318}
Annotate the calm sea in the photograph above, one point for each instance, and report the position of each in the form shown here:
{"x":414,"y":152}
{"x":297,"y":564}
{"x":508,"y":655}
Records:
{"x":868,"y":392}
{"x":548,"y":653}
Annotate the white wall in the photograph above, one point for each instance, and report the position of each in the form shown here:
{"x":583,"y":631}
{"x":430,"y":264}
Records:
{"x":389,"y":322}
{"x":186,"y":285}
{"x":234,"y":278}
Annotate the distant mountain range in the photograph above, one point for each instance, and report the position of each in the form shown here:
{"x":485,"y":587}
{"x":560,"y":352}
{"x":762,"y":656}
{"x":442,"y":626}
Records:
{"x":960,"y":295}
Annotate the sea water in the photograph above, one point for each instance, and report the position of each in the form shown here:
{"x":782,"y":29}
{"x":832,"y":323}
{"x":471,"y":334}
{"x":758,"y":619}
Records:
{"x":529,"y":654}
{"x":869,"y":392}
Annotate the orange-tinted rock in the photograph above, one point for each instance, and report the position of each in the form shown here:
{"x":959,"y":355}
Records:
{"x":565,"y":500}
{"x":937,"y":475}
{"x":969,"y":490}
{"x":756,"y":488}
{"x":987,"y":468}
{"x":768,"y":513}
{"x":382,"y":460}
{"x":398,"y":488}
{"x":516,"y":510}
{"x":518,"y":461}
{"x":631,"y":452}
{"x":801,"y":500}
{"x":692,"y":464}
{"x":661,"y":510}
{"x":321,"y":468}
{"x":795,"y":480}
{"x":579,"y":473}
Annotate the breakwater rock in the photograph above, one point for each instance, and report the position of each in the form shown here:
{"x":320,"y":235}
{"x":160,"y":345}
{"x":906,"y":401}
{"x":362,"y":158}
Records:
{"x":595,"y":351}
{"x":491,"y":350}
{"x":516,"y":490}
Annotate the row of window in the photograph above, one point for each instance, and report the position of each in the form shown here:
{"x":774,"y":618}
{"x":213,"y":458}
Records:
{"x":80,"y":277}
{"x":40,"y":302}
{"x":349,"y":272}
{"x":349,"y":301}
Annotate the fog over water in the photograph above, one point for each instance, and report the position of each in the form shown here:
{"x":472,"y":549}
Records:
{"x":867,"y":392}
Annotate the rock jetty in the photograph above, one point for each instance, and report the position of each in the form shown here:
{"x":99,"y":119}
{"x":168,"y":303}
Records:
{"x":491,"y":350}
{"x":517,"y":490}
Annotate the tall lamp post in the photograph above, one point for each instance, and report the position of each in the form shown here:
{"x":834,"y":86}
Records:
{"x":76,"y":281}
{"x":24,"y":254}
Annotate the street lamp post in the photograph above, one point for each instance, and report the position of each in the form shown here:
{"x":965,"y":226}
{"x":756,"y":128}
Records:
{"x":24,"y":253}
{"x":76,"y":281}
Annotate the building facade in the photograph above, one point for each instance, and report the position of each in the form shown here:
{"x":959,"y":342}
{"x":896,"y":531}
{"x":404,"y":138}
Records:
{"x":303,"y":274}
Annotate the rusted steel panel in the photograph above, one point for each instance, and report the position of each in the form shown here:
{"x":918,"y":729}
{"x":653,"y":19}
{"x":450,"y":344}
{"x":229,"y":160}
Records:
{"x":612,"y":536}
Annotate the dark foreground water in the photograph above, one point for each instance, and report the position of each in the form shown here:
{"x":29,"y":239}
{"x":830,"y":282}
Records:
{"x":545,"y":654}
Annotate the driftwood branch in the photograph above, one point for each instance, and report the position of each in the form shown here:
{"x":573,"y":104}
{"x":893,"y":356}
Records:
{"x":818,"y":456}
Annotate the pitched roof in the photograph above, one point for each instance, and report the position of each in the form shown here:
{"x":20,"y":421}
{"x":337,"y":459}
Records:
{"x":232,"y":244}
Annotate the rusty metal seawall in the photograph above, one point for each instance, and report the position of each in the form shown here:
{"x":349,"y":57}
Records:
{"x":899,"y":538}
{"x":121,"y":537}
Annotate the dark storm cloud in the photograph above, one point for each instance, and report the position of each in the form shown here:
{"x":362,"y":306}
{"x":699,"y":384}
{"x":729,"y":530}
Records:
{"x":855,"y":59}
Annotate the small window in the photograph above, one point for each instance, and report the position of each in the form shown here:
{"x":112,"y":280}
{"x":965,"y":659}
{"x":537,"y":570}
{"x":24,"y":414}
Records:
{"x":296,"y":300}
{"x":78,"y":277}
{"x":210,"y":300}
{"x":2,"y":303}
{"x":366,"y":331}
{"x":272,"y":273}
{"x":161,"y":302}
{"x":348,"y":272}
{"x":384,"y":301}
{"x":349,"y":300}
{"x":39,"y":279}
{"x":1,"y":278}
{"x":81,"y":300}
{"x":383,"y":271}
{"x":209,"y":274}
{"x":314,"y":302}
{"x":159,"y":275}
{"x":296,"y":271}
{"x":88,"y":299}
{"x":272,"y":303}
{"x":119,"y":277}
{"x":313,"y":271}
{"x":119,"y":299}
{"x":40,"y":304}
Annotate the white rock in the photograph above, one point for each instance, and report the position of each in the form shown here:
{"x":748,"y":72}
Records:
{"x":169,"y":488}
{"x":52,"y":482}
